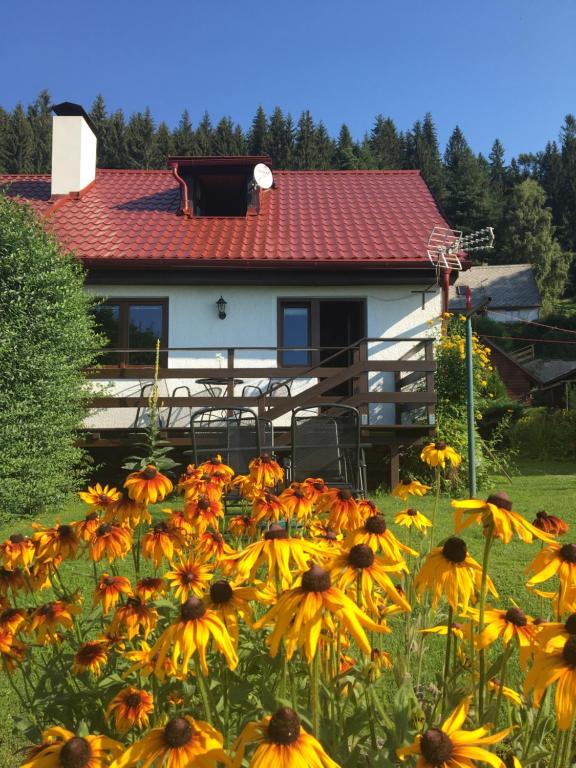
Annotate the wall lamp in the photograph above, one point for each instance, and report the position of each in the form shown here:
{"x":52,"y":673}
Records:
{"x":221,"y":304}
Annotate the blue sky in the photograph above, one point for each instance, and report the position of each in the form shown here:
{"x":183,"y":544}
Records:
{"x":501,"y":68}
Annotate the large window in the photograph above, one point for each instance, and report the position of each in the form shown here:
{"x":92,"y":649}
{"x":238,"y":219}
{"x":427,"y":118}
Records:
{"x":131,"y":325}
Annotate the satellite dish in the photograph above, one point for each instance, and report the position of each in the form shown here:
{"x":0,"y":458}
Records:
{"x":263,"y":176}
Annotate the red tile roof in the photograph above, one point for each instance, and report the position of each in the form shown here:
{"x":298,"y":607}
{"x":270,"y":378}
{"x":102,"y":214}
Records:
{"x":310,"y":218}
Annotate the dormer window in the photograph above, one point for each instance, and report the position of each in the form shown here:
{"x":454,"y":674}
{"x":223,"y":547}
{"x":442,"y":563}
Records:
{"x":218,"y":186}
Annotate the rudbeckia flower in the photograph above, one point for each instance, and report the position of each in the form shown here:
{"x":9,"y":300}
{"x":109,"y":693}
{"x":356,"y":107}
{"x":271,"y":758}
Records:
{"x":204,"y":512}
{"x":191,"y":634}
{"x":510,"y":624}
{"x":277,"y":551}
{"x":215,"y":466}
{"x":91,"y":657}
{"x":87,"y":527}
{"x":181,"y":742}
{"x":111,"y":541}
{"x":12,"y":580}
{"x":46,"y":620}
{"x":230,"y":601}
{"x":513,"y":696}
{"x":342,"y":509}
{"x":556,"y":632}
{"x":268,"y":507}
{"x":148,"y":485}
{"x":11,"y":619}
{"x":162,"y":541}
{"x":438,"y":453}
{"x":451,"y":571}
{"x":130,"y":708}
{"x":266,"y":471}
{"x":18,"y":550}
{"x":211,"y":546}
{"x":211,"y":485}
{"x":379,"y":538}
{"x":320,"y":529}
{"x":100,"y":496}
{"x":247,"y":487}
{"x":149,"y":587}
{"x":561,"y":560}
{"x":296,"y":503}
{"x":556,"y":664}
{"x":411,"y":517}
{"x":63,"y":749}
{"x":144,"y":662}
{"x":282,"y":743}
{"x":551,"y":524}
{"x":243,"y":525}
{"x":109,"y":589}
{"x":39,"y":575}
{"x":496,"y":511}
{"x":450,"y":747}
{"x":61,"y":541}
{"x":407,"y":487}
{"x":127,"y":511}
{"x":314,"y":487}
{"x":189,"y":577}
{"x":360,"y":566}
{"x":12,"y":652}
{"x":300,"y":615}
{"x":136,"y":616}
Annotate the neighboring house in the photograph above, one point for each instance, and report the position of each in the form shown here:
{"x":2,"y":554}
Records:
{"x":519,"y":381}
{"x":511,"y":288}
{"x":324,"y":277}
{"x":556,"y":382}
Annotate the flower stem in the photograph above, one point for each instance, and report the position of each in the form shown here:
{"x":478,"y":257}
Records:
{"x":315,"y":693}
{"x":483,"y":585}
{"x":435,"y":510}
{"x":203,"y":692}
{"x":447,"y":659}
{"x":505,"y":657}
{"x":565,"y":761}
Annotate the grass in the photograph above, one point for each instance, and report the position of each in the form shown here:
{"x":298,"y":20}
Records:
{"x":541,"y":485}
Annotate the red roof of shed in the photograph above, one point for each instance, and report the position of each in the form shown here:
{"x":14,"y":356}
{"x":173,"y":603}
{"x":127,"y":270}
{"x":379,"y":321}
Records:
{"x":310,"y":218}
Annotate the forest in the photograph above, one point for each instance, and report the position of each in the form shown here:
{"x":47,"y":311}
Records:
{"x":530,"y":200}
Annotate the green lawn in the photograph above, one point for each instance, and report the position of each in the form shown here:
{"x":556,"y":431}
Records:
{"x":549,"y":486}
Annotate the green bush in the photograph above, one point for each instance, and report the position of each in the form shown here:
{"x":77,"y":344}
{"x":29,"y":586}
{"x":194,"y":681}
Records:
{"x":546,"y":434}
{"x":47,"y":338}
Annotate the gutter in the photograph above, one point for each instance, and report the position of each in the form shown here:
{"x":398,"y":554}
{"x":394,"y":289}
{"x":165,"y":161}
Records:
{"x":185,"y":208}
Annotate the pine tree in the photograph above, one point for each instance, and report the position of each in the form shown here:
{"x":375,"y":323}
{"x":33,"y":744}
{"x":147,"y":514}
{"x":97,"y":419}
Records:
{"x":104,"y":134}
{"x":140,"y":140}
{"x":19,"y":143}
{"x":40,"y":119}
{"x":325,"y":148}
{"x":4,"y":130}
{"x":204,"y":136}
{"x":550,"y":179}
{"x":430,"y":159}
{"x":568,"y":182}
{"x":466,"y":201}
{"x":239,"y":145}
{"x":346,"y":157}
{"x":281,"y":139}
{"x":499,"y":184}
{"x":161,"y":147}
{"x":183,"y":138}
{"x":530,"y":238}
{"x":305,"y":142}
{"x":118,"y":153}
{"x":385,"y":144}
{"x":224,"y":140}
{"x":257,"y":139}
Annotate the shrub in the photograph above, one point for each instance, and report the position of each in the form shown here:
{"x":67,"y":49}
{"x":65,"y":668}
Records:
{"x":542,"y":434}
{"x":47,"y":338}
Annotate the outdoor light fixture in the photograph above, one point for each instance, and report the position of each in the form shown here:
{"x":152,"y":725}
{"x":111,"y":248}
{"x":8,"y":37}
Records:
{"x":221,"y":304}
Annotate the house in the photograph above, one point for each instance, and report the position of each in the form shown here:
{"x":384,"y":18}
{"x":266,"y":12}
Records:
{"x":318,"y":281}
{"x":556,"y":382}
{"x":511,"y":287}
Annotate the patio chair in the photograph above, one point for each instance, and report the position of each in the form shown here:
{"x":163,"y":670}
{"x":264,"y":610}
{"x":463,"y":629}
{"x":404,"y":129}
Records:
{"x":274,"y":388}
{"x":326,"y":443}
{"x":236,"y":437}
{"x":175,"y":391}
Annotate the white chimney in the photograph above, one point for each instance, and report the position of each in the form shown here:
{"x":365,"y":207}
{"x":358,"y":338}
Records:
{"x":73,"y":149}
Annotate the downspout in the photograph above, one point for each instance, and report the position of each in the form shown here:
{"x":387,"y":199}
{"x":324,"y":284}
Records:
{"x":445,"y":289}
{"x":185,"y":209}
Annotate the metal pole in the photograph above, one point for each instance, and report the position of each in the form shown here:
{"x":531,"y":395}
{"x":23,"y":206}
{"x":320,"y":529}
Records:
{"x":470,"y":409}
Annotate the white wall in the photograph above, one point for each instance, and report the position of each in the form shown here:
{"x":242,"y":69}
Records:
{"x":251,"y":320}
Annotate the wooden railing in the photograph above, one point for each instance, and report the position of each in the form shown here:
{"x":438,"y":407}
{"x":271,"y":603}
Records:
{"x":411,"y":392}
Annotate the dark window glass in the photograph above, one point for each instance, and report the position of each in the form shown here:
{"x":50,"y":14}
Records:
{"x":296,"y":333}
{"x":144,"y":329}
{"x":108,"y":323}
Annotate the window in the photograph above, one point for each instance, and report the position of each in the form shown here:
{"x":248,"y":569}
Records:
{"x":295,"y":332}
{"x":133,"y":324}
{"x":461,"y":290}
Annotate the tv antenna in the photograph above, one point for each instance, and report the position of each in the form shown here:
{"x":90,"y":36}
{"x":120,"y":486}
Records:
{"x":445,"y":246}
{"x":262,"y":176}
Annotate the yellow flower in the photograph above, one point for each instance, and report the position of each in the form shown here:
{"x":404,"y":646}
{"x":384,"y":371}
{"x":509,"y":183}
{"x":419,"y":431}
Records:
{"x":509,"y":624}
{"x":18,"y":550}
{"x":63,"y":749}
{"x":556,"y":664}
{"x":148,"y":485}
{"x":411,"y":517}
{"x":99,"y":496}
{"x":189,"y":577}
{"x":450,"y":747}
{"x":408,"y":487}
{"x":109,"y":589}
{"x":342,"y":508}
{"x":379,"y":538}
{"x":266,"y":471}
{"x":561,"y":560}
{"x":163,"y":541}
{"x":110,"y":540}
{"x":46,"y":620}
{"x":91,"y":657}
{"x":130,"y":708}
{"x":438,"y":453}
{"x":136,"y":616}
{"x":282,"y":743}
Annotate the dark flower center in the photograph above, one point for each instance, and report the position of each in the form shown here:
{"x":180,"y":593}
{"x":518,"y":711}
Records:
{"x":177,"y":733}
{"x":17,"y":538}
{"x":361,"y":556}
{"x":8,"y":614}
{"x":569,"y":651}
{"x":570,"y":625}
{"x":297,"y":492}
{"x":221,"y":591}
{"x":331,"y":536}
{"x":319,"y":486}
{"x":568,"y":553}
{"x":412,"y":512}
{"x":216,"y":460}
{"x":104,"y":529}
{"x":375,"y":524}
{"x":91,"y":516}
{"x":203,"y":502}
{"x":103,"y":498}
{"x":47,"y":610}
{"x":284,"y":726}
{"x":455,"y":550}
{"x":436,"y":746}
{"x":133,"y":700}
{"x":316,"y":579}
{"x":149,"y":473}
{"x":134,"y":602}
{"x":188,"y":577}
{"x":276,"y":532}
{"x":406,"y":481}
{"x":246,"y":520}
{"x":517,"y":617}
{"x":66,"y":532}
{"x":500,"y":499}
{"x":344,"y":494}
{"x":75,"y":753}
{"x":440,"y":445}
{"x":192,"y":609}
{"x":108,"y":581}
{"x":161,"y":527}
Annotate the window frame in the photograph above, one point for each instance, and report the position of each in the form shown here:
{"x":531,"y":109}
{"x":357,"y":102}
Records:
{"x":124,"y":303}
{"x":295,"y":304}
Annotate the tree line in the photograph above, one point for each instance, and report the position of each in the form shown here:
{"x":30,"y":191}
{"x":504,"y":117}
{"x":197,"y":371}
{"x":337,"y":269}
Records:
{"x":530,"y":201}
